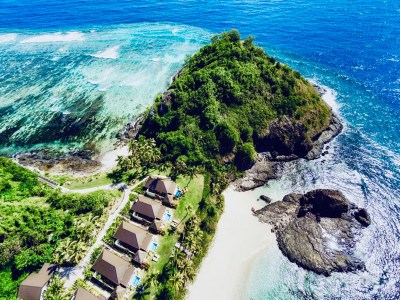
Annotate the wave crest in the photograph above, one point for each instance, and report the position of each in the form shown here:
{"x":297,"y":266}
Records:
{"x":7,"y":38}
{"x":109,"y":53}
{"x":55,"y":37}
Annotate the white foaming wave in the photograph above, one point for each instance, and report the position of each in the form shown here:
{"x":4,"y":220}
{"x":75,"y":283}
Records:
{"x":55,"y":37}
{"x":109,"y":53}
{"x":8,"y":38}
{"x":155,"y":59}
{"x":329,"y":96}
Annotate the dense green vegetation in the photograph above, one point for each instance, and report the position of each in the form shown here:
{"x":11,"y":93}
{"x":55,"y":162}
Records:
{"x":54,"y":227}
{"x":224,"y":101}
{"x":17,"y":183}
{"x":213,"y":119}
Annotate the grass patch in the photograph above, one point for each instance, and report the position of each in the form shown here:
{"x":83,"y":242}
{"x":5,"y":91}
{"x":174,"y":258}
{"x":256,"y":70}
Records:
{"x":78,"y":183}
{"x":192,"y":197}
{"x":88,"y":182}
{"x":164,"y":250}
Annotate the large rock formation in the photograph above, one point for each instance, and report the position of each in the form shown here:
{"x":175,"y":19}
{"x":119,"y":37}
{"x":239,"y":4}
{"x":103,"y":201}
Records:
{"x":317,"y":230}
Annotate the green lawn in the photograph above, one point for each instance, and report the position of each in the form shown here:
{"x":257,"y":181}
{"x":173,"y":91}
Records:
{"x":164,"y":251}
{"x":192,"y":197}
{"x":86,"y":182}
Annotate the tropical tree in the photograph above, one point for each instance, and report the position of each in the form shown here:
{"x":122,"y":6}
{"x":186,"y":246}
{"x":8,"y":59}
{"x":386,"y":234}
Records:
{"x":188,"y":270}
{"x":86,"y":226}
{"x":191,"y":172}
{"x":55,"y":290}
{"x":177,"y":280}
{"x":153,"y":278}
{"x":189,"y":211}
{"x":142,"y":291}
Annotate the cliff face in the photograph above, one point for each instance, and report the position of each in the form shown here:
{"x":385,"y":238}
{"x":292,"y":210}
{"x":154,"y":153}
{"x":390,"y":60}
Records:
{"x":317,"y":230}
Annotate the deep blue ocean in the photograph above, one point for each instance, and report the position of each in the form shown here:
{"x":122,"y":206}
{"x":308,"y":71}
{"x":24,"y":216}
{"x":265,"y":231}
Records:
{"x":73,"y":72}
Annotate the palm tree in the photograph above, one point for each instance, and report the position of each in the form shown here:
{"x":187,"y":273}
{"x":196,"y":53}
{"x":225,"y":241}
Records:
{"x":176,"y":259}
{"x":55,"y":290}
{"x":189,"y":210}
{"x":177,"y":280}
{"x":188,"y":270}
{"x":191,"y":172}
{"x":152,"y":278}
{"x":142,"y":291}
{"x":192,"y":240}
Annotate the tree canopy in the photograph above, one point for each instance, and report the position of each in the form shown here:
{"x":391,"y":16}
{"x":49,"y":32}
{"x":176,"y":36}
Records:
{"x":223,"y":101}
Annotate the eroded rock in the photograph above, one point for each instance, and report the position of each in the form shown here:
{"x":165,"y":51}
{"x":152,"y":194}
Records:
{"x":318,"y":230}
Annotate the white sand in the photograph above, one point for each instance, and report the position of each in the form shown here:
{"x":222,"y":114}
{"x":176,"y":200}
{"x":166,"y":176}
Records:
{"x":240,"y":237}
{"x":109,"y":159}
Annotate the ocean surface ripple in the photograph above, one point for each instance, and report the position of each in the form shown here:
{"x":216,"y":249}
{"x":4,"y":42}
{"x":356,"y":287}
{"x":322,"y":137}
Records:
{"x":72,"y":73}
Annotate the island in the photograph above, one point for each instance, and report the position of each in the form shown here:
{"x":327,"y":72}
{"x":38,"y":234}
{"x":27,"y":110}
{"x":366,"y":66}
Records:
{"x":232,"y":114}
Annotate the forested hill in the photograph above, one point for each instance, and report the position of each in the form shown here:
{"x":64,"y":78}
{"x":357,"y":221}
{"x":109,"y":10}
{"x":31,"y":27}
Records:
{"x":230,"y":100}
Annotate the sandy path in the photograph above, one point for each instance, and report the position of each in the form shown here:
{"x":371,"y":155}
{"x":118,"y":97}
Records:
{"x":238,"y":241}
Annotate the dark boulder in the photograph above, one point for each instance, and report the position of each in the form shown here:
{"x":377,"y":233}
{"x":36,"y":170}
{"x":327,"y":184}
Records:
{"x":324,"y":203}
{"x":363,"y":217}
{"x":266,"y":199}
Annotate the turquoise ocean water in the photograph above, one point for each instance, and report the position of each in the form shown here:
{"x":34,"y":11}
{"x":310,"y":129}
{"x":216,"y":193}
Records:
{"x":72,"y":73}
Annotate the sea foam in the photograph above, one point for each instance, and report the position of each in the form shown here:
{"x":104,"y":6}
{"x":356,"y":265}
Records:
{"x":7,"y":38}
{"x":55,"y":37}
{"x":109,"y":53}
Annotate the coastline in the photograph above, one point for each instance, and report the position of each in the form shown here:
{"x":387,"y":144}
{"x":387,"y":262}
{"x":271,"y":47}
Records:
{"x":239,"y":240}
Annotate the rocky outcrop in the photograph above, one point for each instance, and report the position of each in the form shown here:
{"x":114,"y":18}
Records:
{"x":76,"y":162}
{"x":363,"y":217}
{"x":287,"y":142}
{"x":262,"y":171}
{"x":317,"y":230}
{"x":334,"y":129}
{"x":130,"y":130}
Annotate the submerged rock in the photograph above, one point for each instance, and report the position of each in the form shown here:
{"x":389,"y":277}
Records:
{"x":363,"y":217}
{"x":266,"y":199}
{"x":317,"y":230}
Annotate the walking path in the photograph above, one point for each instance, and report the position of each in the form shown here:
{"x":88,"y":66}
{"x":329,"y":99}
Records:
{"x":71,"y":274}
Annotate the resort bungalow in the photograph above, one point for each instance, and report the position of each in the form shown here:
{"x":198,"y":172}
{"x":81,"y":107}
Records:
{"x":132,"y":238}
{"x":162,"y":188}
{"x":112,"y":271}
{"x":33,"y":287}
{"x":83,"y":294}
{"x":149,"y":211}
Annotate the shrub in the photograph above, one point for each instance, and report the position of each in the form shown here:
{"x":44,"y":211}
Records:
{"x":245,"y":157}
{"x":228,"y":137}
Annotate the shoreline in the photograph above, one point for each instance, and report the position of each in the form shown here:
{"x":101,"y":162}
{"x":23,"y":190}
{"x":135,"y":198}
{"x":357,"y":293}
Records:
{"x":81,"y":166}
{"x":239,"y":240}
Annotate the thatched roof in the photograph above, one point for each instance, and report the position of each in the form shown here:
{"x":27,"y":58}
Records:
{"x":31,"y":288}
{"x":83,"y":294}
{"x":140,"y":257}
{"x":114,"y":268}
{"x":161,"y":185}
{"x":133,"y":236}
{"x":149,"y":208}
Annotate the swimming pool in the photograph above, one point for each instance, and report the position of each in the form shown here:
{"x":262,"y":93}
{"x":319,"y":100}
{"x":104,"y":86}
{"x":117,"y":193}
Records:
{"x":136,"y":281}
{"x":153,"y":247}
{"x":167,"y":216}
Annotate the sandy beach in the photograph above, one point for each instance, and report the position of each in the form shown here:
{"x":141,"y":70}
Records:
{"x":108,"y":160}
{"x":238,"y":241}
